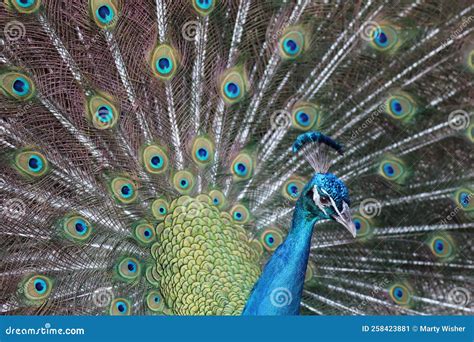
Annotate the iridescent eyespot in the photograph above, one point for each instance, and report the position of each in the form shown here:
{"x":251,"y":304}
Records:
{"x":203,"y":151}
{"x":464,"y":199}
{"x":183,"y":182}
{"x":104,"y":12}
{"x":364,"y":226}
{"x":240,"y":214}
{"x":145,"y":233}
{"x":203,"y":7}
{"x":384,"y":37}
{"x":401,"y":106}
{"x":159,"y":208}
{"x":401,"y":294}
{"x":154,"y":301}
{"x":155,"y":159}
{"x":77,"y":228}
{"x":164,"y":65}
{"x":305,"y":116}
{"x":32,"y":163}
{"x":242,"y":167}
{"x":120,"y":307}
{"x":271,"y":238}
{"x":102,"y":112}
{"x":124,"y":190}
{"x":25,"y":3}
{"x":292,"y":188}
{"x":164,"y":62}
{"x":393,"y":169}
{"x":442,"y":246}
{"x":293,"y":43}
{"x":17,"y":86}
{"x":21,"y":86}
{"x":232,"y":90}
{"x":26,"y":6}
{"x":37,"y":287}
{"x":234,"y":85}
{"x":129,"y":269}
{"x":217,"y":198}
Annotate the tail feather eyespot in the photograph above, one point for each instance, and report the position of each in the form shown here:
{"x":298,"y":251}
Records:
{"x":17,"y":85}
{"x":120,"y":307}
{"x":233,"y":85}
{"x":124,"y":190}
{"x":104,"y":13}
{"x":164,"y":62}
{"x":204,"y":7}
{"x":37,"y":287}
{"x":32,"y":163}
{"x":26,"y":6}
{"x":129,"y":269}
{"x":77,"y":228}
{"x":271,"y":238}
{"x":102,"y":112}
{"x":293,"y":43}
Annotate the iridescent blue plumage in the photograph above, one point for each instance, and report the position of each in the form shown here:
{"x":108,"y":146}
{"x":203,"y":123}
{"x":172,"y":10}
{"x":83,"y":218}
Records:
{"x":324,"y":197}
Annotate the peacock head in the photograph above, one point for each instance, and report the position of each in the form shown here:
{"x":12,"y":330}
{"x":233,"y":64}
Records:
{"x":324,"y":197}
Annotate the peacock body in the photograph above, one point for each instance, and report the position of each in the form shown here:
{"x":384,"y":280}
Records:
{"x":166,"y":157}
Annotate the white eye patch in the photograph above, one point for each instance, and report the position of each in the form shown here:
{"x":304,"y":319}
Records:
{"x":320,"y":202}
{"x":343,"y":217}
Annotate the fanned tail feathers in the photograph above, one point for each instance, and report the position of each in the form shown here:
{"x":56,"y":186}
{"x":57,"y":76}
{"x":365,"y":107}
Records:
{"x":147,"y":164}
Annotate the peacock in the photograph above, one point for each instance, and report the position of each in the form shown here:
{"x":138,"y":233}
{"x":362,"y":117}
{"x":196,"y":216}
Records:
{"x":236,"y":157}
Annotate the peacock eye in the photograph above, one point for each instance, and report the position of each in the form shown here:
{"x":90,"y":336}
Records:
{"x":324,"y":200}
{"x":26,"y":6}
{"x":104,"y":12}
{"x":164,"y":62}
{"x":203,"y":7}
{"x":292,"y":43}
{"x":120,"y":307}
{"x":384,"y":37}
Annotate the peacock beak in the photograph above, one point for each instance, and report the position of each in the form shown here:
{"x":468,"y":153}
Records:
{"x":344,"y":217}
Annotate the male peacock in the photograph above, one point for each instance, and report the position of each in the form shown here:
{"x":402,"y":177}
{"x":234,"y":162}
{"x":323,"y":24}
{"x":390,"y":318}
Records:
{"x":156,"y":154}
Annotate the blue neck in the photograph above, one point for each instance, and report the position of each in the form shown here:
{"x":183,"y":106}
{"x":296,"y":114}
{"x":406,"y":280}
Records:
{"x":278,"y":290}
